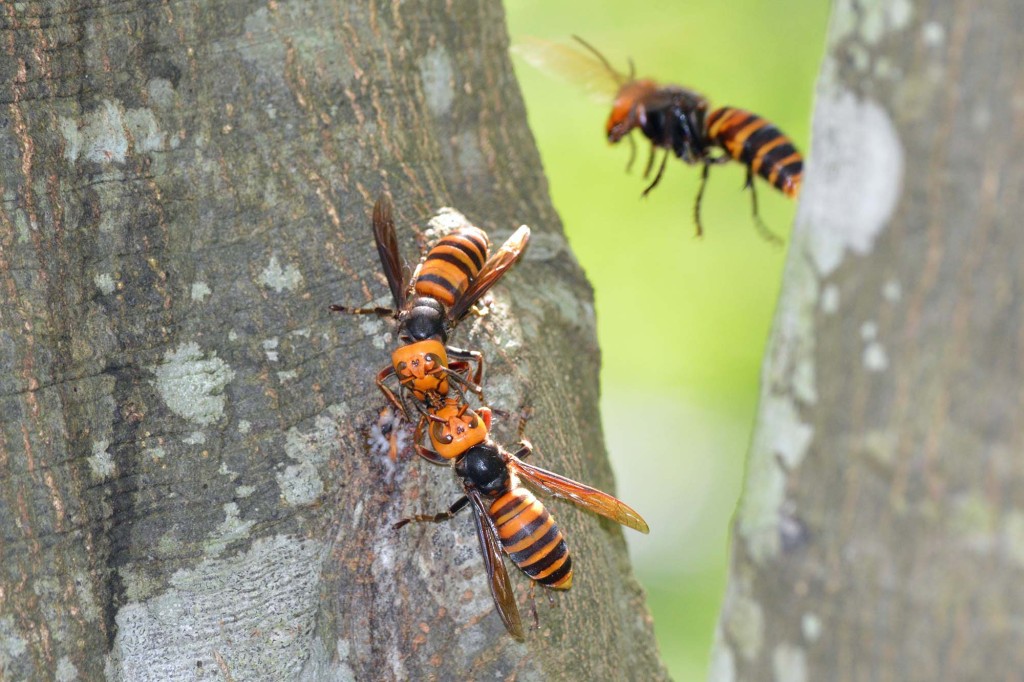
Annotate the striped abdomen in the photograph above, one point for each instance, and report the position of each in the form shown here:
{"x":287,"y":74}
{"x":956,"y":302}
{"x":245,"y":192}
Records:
{"x":531,"y":539}
{"x":759,"y":145}
{"x":452,"y":264}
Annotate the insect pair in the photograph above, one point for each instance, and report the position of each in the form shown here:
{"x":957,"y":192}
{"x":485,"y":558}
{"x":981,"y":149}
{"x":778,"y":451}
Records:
{"x":681,"y":122}
{"x":435,"y":377}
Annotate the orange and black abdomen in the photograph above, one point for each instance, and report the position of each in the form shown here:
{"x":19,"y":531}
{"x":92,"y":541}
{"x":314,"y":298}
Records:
{"x":531,"y":539}
{"x":759,"y":145}
{"x":452,"y":264}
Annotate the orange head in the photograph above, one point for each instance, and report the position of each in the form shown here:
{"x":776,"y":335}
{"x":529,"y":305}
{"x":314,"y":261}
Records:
{"x":422,"y":367}
{"x":628,"y":108}
{"x":455,"y":428}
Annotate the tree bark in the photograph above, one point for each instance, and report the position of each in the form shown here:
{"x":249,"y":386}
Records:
{"x":881,"y":532}
{"x":188,"y":491}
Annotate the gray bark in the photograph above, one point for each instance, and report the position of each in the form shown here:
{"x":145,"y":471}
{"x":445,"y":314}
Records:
{"x":187,"y":489}
{"x":881,"y":532}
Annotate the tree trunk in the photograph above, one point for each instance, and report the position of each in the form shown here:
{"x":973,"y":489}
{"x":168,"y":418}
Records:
{"x":881,"y":533}
{"x":188,"y":491}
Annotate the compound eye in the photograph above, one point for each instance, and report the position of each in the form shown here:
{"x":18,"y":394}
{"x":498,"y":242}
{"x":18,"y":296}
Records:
{"x":438,"y":434}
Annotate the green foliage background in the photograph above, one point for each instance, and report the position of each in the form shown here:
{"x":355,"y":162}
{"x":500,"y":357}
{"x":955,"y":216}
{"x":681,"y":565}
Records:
{"x":682,"y":322}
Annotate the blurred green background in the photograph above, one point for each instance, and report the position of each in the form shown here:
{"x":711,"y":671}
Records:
{"x":682,"y":322}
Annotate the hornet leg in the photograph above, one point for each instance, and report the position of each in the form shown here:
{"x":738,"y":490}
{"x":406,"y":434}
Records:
{"x":700,"y":196}
{"x":434,"y":518}
{"x":758,"y":223}
{"x":632,"y":154}
{"x":657,"y":178}
{"x":383,"y":312}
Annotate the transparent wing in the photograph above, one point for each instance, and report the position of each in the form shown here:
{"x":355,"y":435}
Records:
{"x":578,"y":65}
{"x":497,"y":576}
{"x":387,"y":248}
{"x":589,"y":498}
{"x":490,"y":273}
